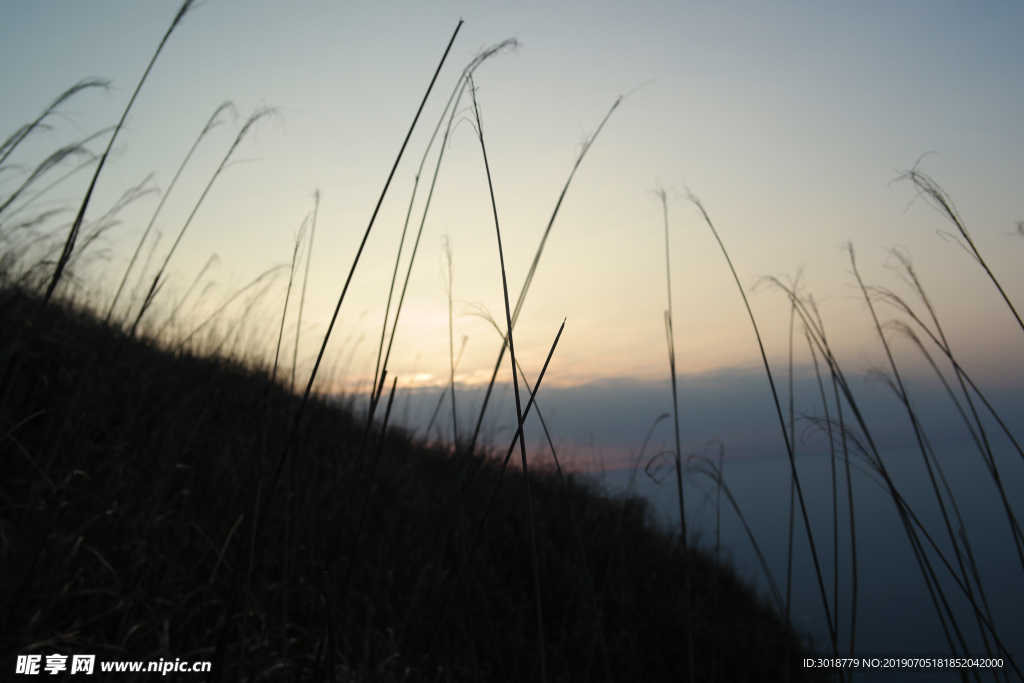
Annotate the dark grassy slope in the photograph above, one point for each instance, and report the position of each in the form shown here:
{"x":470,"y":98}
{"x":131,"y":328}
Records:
{"x":126,"y":469}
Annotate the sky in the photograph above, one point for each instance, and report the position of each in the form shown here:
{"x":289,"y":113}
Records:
{"x":791,"y":123}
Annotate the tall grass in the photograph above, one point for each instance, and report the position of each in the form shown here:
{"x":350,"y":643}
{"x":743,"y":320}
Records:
{"x":258,"y":518}
{"x":210,"y":125}
{"x":782,"y":423}
{"x":139,"y":517}
{"x":515,"y":388}
{"x":856,"y":439}
{"x":533,"y":267}
{"x":671,"y":339}
{"x":76,"y":226}
{"x":449,"y":112}
{"x":19,"y":136}
{"x":13,"y":358}
{"x":260,"y":113}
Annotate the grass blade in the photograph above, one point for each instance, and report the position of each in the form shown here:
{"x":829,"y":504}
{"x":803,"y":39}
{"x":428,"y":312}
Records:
{"x":219,"y":654}
{"x":517,"y":437}
{"x":73,"y":233}
{"x":533,"y":269}
{"x":18,"y":136}
{"x":931,"y":190}
{"x":145,"y":233}
{"x":515,"y":387}
{"x":249,"y":123}
{"x":782,"y":423}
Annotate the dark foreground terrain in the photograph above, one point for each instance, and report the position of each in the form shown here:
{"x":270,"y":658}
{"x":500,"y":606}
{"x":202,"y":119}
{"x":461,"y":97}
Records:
{"x":129,"y":480}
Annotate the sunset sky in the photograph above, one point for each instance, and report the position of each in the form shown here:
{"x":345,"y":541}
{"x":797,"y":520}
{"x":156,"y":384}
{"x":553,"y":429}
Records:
{"x":789,"y":122}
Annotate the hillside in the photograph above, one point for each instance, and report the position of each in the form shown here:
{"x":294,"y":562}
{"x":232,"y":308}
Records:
{"x":130,"y":476}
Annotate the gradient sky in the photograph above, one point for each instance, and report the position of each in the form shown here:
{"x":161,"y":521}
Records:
{"x":790,"y":123}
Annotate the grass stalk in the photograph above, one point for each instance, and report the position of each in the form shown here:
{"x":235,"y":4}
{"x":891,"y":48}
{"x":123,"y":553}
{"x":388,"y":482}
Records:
{"x":835,"y":497}
{"x":302,"y":297}
{"x":515,"y":387}
{"x":18,"y":136}
{"x":299,"y":238}
{"x":212,"y":123}
{"x":533,"y":269}
{"x":517,"y":437}
{"x":448,"y":111}
{"x":286,"y":544}
{"x":258,"y":114}
{"x":660,"y":192}
{"x":931,"y":191}
{"x":785,"y":436}
{"x":671,"y":340}
{"x":232,"y":601}
{"x":817,"y":331}
{"x":447,"y":248}
{"x":73,"y":233}
{"x":792,"y":485}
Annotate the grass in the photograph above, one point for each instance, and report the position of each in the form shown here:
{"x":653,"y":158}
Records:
{"x":76,"y":226}
{"x":857,"y":441}
{"x":167,"y":497}
{"x":132,"y":471}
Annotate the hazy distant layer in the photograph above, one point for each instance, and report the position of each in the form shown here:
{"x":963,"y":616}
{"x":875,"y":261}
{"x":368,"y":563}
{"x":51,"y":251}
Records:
{"x":602,"y":423}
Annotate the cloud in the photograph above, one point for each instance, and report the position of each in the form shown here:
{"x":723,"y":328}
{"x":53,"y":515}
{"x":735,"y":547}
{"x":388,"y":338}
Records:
{"x":611,"y":417}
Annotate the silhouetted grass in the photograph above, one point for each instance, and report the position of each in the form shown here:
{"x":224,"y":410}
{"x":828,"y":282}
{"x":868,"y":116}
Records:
{"x":785,"y":435}
{"x":210,"y":125}
{"x":260,"y":113}
{"x":138,"y":518}
{"x":671,"y":340}
{"x":856,"y":439}
{"x":69,"y":246}
{"x":533,"y":268}
{"x":129,"y":471}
